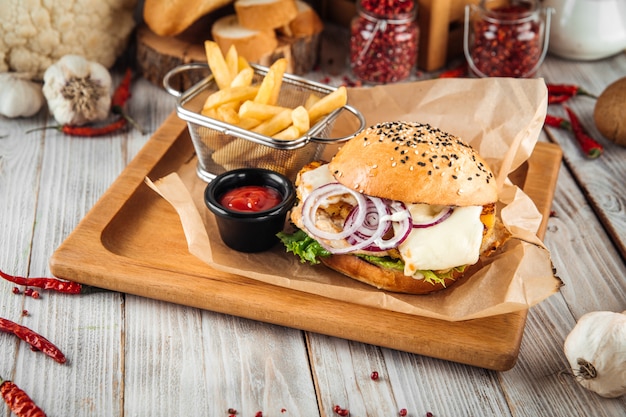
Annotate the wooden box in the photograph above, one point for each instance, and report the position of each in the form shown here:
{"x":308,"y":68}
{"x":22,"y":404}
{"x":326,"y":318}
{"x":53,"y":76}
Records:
{"x":440,"y":22}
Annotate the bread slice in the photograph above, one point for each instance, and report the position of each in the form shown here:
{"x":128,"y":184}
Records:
{"x":172,"y":17}
{"x":306,"y":23}
{"x":251,"y":44}
{"x":265,"y":14}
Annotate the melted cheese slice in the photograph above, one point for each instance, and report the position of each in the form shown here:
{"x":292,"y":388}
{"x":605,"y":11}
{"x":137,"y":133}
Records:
{"x":314,"y":178}
{"x":454,"y":242}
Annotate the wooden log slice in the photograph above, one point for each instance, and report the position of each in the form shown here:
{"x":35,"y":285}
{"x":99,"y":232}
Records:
{"x":157,"y":55}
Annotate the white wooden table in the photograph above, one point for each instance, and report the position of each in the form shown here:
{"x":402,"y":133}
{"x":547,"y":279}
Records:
{"x":133,"y":356}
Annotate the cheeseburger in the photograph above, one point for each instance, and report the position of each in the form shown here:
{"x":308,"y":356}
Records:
{"x":403,"y":206}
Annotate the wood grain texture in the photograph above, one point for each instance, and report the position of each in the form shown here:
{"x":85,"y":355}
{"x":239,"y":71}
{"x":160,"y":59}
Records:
{"x":124,"y":230}
{"x":601,"y":180}
{"x":137,"y":356}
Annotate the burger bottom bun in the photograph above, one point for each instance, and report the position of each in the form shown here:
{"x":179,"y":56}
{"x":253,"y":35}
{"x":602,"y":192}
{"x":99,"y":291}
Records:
{"x":382,"y":278}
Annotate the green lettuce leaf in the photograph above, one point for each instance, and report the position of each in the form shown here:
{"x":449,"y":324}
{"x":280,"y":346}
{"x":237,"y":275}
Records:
{"x":398,"y":265}
{"x":304,"y":246}
{"x":309,"y":250}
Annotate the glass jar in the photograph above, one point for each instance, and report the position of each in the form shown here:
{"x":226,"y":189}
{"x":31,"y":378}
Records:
{"x":383,"y":40}
{"x":506,"y":41}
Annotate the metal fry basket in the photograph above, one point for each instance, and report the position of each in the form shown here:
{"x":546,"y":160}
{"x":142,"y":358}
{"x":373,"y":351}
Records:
{"x":222,"y":146}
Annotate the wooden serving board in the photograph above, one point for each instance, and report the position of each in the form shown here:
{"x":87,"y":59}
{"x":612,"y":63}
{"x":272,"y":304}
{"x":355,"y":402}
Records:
{"x":132,"y":241}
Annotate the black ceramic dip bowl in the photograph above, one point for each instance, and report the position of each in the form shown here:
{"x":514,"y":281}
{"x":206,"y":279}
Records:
{"x":250,"y":206}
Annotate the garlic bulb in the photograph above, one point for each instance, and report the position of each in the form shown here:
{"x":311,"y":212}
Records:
{"x":596,"y":351}
{"x":78,"y":91}
{"x":19,"y":96}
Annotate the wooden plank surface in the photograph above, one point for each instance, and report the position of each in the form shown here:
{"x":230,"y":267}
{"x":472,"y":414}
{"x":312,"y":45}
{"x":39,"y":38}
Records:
{"x":602,"y":180}
{"x":48,"y":182}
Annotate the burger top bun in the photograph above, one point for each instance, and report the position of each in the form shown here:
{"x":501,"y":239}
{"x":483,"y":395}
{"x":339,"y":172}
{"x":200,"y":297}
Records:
{"x":414,"y":163}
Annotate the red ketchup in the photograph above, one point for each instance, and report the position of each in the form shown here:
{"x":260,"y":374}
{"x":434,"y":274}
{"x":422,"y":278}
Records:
{"x":251,"y":198}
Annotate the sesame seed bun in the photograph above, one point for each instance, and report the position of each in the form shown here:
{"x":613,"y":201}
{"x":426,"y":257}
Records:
{"x":414,"y":163}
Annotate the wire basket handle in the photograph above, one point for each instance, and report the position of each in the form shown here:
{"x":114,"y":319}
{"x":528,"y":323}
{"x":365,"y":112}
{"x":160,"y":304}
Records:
{"x":179,"y":70}
{"x":329,"y":120}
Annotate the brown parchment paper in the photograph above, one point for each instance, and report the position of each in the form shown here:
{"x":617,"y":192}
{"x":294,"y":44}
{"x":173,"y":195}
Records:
{"x":500,"y":117}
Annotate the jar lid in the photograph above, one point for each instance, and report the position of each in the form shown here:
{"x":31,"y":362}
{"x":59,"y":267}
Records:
{"x":398,"y":10}
{"x":516,"y":11}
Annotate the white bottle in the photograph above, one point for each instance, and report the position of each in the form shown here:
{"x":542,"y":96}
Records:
{"x":587,"y":29}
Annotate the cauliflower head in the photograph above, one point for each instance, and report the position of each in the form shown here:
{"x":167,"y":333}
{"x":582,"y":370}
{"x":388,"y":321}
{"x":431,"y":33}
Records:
{"x":36,"y":33}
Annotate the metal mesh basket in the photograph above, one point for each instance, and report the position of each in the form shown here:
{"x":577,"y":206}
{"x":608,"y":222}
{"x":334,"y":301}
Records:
{"x":221,"y":146}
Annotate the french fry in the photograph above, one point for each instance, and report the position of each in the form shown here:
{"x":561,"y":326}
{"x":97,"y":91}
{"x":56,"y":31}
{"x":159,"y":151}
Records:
{"x":242,"y":63}
{"x":279,"y":67}
{"x":241,"y":150}
{"x":328,"y":103}
{"x":311,"y":100}
{"x":217,"y":64}
{"x":248,"y":122}
{"x":270,"y":86}
{"x":212,"y":113}
{"x":228,"y":95}
{"x":258,"y":110}
{"x":265,"y":89}
{"x":232,"y":61}
{"x":243,"y":78}
{"x":300,"y":119}
{"x":290,"y":133}
{"x":228,"y":113}
{"x":233,"y":151}
{"x":275,"y":124}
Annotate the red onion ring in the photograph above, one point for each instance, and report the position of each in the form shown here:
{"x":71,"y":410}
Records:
{"x":367,"y":223}
{"x":381,"y":208}
{"x":320,"y":195}
{"x":443,"y":215}
{"x":404,"y":225}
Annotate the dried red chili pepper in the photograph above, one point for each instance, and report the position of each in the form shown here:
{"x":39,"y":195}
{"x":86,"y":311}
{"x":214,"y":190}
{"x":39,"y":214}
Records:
{"x":53,"y":284}
{"x":91,"y":131}
{"x":556,"y":99}
{"x":120,"y":98}
{"x":87,"y":131}
{"x":34,"y":339}
{"x":122,"y":92}
{"x":588,"y":145}
{"x":18,"y":401}
{"x":456,"y":72}
{"x":570,"y":90}
{"x":559,"y":122}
